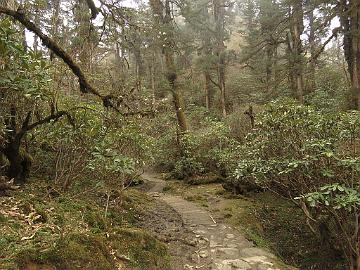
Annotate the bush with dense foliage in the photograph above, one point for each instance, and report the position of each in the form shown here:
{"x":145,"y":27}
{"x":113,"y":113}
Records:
{"x":206,"y":148}
{"x":25,"y":100}
{"x":311,"y":155}
{"x":101,"y":146}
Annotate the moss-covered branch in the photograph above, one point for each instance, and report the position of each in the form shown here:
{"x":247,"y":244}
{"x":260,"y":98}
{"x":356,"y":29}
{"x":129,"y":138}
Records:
{"x":19,"y":15}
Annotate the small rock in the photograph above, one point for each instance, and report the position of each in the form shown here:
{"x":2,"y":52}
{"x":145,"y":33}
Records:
{"x":202,"y":242}
{"x":229,"y":251}
{"x":194,"y":258}
{"x":213,"y":244}
{"x":258,"y":260}
{"x":264,"y":267}
{"x":238,"y":264}
{"x":204,"y":254}
{"x":230,"y":236}
{"x":193,"y":242}
{"x":232,"y":264}
{"x":251,"y":252}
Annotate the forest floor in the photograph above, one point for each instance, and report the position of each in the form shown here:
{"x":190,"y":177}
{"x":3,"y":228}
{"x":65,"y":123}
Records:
{"x":173,"y":225}
{"x":205,"y":241}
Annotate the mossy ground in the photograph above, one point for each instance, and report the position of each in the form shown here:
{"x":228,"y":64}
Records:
{"x":268,"y":220}
{"x":73,"y":230}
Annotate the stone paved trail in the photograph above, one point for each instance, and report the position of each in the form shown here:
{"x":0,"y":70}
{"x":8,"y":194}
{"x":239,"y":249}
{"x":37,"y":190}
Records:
{"x":218,"y":245}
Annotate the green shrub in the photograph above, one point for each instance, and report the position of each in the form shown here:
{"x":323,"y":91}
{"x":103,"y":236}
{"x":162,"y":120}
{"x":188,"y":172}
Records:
{"x":298,"y":151}
{"x":206,"y":148}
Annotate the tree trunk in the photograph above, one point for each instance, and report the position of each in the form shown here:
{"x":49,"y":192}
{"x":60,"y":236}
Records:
{"x":37,"y":22}
{"x":219,"y":17}
{"x":355,"y":44}
{"x":207,"y":52}
{"x":207,"y":89}
{"x":18,"y":166}
{"x":153,"y":85}
{"x":269,"y":67}
{"x":139,"y":65}
{"x":164,"y":17}
{"x":177,"y":99}
{"x":349,"y":17}
{"x":84,"y":33}
{"x":312,"y":66}
{"x":17,"y":170}
{"x":296,"y":58}
{"x":355,"y":262}
{"x":276,"y":72}
{"x":222,"y":84}
{"x":55,"y":23}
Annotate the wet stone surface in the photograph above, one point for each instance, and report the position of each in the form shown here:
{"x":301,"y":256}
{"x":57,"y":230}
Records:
{"x":216,"y":245}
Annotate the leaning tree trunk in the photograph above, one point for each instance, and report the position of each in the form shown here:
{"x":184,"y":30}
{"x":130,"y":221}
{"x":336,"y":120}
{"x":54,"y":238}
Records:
{"x":164,"y":18}
{"x":177,"y":99}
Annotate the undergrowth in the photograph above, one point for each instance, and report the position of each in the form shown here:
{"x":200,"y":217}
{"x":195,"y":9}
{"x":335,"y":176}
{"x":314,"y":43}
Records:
{"x":76,"y":231}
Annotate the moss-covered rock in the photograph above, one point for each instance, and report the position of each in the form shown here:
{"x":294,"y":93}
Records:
{"x":95,"y":219}
{"x":143,"y":250}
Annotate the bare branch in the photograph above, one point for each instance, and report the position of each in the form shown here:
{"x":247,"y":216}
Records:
{"x":55,"y":117}
{"x":322,"y":48}
{"x":217,"y":85}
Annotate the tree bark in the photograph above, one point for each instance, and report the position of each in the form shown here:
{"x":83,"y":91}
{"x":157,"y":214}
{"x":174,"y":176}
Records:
{"x":17,"y":169}
{"x":11,"y":150}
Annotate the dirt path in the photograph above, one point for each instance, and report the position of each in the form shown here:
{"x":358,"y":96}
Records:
{"x":217,"y":245}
